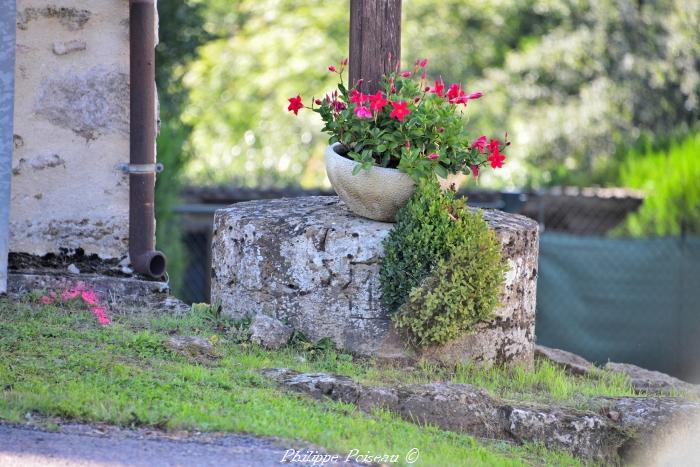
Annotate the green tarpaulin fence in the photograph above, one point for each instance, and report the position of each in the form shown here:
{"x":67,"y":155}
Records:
{"x":623,"y":300}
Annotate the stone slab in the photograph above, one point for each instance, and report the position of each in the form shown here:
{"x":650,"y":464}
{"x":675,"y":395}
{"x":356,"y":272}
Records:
{"x":312,"y":264}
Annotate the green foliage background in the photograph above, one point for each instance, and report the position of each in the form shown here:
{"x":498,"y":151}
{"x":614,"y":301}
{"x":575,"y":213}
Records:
{"x":575,"y":82}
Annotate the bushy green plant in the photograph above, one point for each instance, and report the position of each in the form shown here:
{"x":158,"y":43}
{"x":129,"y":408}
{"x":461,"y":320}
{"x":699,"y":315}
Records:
{"x":671,"y":182}
{"x":443,"y":270}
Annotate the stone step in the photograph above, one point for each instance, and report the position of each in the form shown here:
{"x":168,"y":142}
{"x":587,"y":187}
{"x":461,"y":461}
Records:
{"x":609,"y":429}
{"x":313,"y":265}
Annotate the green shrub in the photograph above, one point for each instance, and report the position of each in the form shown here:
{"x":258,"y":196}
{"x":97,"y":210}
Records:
{"x":442,"y":270}
{"x":671,"y":182}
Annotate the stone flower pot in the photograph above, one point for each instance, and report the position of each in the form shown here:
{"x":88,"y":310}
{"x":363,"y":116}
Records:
{"x":376,"y":194}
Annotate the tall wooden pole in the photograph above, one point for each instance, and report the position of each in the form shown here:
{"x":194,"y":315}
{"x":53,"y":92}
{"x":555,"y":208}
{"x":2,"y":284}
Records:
{"x":375,"y":41}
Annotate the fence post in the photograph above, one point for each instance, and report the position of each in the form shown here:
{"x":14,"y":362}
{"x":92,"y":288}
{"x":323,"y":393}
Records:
{"x":375,"y":41}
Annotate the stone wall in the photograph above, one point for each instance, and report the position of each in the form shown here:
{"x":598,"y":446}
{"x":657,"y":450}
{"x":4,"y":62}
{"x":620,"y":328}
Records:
{"x":71,"y":127}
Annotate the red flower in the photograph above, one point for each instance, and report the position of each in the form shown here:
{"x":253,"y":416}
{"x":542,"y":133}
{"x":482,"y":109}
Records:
{"x":475,"y":95}
{"x":439,"y":88}
{"x":377,"y":101}
{"x":496,"y":160}
{"x":363,"y":112}
{"x":455,"y":94}
{"x":475,"y":170}
{"x":433,"y":156}
{"x":479,"y":144}
{"x":332,"y":68}
{"x":356,"y":97}
{"x":422,"y":62}
{"x":344,"y":62}
{"x":406,"y":74}
{"x":339,"y":106}
{"x":399,"y":111}
{"x":295,"y":104}
{"x":495,"y":157}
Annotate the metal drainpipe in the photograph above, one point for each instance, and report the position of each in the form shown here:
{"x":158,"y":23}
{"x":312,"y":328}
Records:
{"x":142,"y":167}
{"x":7,"y":92}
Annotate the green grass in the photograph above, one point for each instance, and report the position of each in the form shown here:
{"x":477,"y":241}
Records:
{"x":57,"y":362}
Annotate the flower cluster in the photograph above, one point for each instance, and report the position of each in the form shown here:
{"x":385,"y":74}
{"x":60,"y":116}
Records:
{"x":80,"y":291}
{"x":409,"y":124}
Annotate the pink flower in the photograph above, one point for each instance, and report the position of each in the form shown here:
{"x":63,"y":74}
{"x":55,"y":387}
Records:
{"x":406,"y":74}
{"x":339,"y":106}
{"x":46,"y":300}
{"x":399,"y":111}
{"x":332,"y":68}
{"x":363,"y":112}
{"x":344,"y":62}
{"x":479,"y":144}
{"x":475,"y":170}
{"x":101,"y":315}
{"x":318,"y":102}
{"x":89,"y":297}
{"x":295,"y":104}
{"x":70,"y":294}
{"x":475,"y":95}
{"x":433,"y":156}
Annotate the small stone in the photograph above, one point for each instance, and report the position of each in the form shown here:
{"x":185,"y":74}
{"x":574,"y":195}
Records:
{"x":269,"y":332}
{"x":73,"y":269}
{"x":66,"y":47}
{"x":613,"y":415}
{"x":573,"y":363}
{"x":191,"y":346}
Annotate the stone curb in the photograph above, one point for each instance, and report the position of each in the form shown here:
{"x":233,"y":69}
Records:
{"x":611,"y":429}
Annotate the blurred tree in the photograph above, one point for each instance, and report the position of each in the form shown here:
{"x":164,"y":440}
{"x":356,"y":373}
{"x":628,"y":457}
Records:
{"x":575,"y":82}
{"x":180,"y":31}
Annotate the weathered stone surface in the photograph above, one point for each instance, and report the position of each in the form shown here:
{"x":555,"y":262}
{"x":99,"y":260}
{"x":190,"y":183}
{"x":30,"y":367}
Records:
{"x":121,"y":293}
{"x":88,"y":103}
{"x":191,"y":346}
{"x":269,"y":332}
{"x":626,"y":427}
{"x":644,"y":380}
{"x":311,"y":263}
{"x":466,"y":409}
{"x":66,"y":47}
{"x":573,"y":363}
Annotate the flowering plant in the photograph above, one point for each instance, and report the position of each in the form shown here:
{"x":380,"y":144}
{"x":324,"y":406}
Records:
{"x":408,"y":124}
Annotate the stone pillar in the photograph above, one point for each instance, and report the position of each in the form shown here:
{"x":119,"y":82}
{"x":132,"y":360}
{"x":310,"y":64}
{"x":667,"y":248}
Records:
{"x":312,"y":264}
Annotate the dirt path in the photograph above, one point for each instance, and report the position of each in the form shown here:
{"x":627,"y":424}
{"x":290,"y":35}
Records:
{"x":83,"y":445}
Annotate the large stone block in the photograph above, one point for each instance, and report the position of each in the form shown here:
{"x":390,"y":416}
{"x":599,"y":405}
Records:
{"x":314,"y":265}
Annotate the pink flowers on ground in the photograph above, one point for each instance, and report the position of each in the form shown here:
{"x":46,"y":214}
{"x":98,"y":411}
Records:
{"x":433,"y":156}
{"x":89,"y":297}
{"x":399,"y":110}
{"x":295,"y":104}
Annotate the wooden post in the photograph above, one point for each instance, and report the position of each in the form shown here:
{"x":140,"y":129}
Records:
{"x":375,"y":41}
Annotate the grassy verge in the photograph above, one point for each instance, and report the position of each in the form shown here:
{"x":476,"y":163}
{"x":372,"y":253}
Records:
{"x":57,"y":361}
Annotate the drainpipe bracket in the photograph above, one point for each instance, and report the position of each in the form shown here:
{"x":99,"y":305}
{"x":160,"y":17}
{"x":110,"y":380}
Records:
{"x":128,"y":168}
